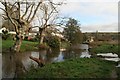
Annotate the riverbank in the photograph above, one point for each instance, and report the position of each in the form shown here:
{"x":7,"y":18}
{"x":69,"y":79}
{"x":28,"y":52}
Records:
{"x":75,"y":68}
{"x":106,"y":48}
{"x":27,"y":45}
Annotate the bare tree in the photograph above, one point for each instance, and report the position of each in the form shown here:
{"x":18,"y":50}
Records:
{"x":47,"y":17}
{"x":20,"y":18}
{"x":47,"y":20}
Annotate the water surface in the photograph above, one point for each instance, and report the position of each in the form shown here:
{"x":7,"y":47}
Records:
{"x":16,"y":64}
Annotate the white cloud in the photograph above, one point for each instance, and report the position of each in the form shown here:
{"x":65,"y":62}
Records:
{"x":101,"y":28}
{"x":93,"y":14}
{"x":101,"y":12}
{"x":92,"y":0}
{"x":90,"y":8}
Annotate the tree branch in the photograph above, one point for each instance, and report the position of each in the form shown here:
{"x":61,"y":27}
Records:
{"x":14,"y":5}
{"x":27,"y":8}
{"x":35,"y":11}
{"x":3,"y":9}
{"x":52,"y":5}
{"x":18,"y":10}
{"x":7,"y":14}
{"x":40,"y":62}
{"x":30,"y":12}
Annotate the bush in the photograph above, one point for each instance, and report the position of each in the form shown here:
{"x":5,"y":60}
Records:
{"x":53,"y":42}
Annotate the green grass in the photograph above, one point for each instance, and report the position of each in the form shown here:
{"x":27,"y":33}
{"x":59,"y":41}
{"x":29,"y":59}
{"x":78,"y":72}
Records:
{"x":106,"y":48}
{"x":26,"y":45}
{"x":6,"y":44}
{"x":118,"y":72}
{"x":74,"y":68}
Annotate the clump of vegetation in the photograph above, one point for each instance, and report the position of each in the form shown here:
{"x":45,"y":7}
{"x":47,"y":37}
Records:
{"x":74,"y":68}
{"x":53,"y":41}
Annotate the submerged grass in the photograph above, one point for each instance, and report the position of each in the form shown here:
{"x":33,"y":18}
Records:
{"x":74,"y":68}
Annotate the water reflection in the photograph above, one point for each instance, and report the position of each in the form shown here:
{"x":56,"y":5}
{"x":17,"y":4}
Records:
{"x":12,"y":65}
{"x":8,"y":65}
{"x":113,"y":59}
{"x":59,"y":58}
{"x":19,"y":67}
{"x":85,"y":54}
{"x":50,"y":56}
{"x":72,"y":53}
{"x":15,"y":65}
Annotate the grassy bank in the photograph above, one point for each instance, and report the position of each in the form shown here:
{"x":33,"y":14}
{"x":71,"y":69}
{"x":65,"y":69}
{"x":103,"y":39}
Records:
{"x":74,"y":68}
{"x":106,"y":48}
{"x":26,"y":45}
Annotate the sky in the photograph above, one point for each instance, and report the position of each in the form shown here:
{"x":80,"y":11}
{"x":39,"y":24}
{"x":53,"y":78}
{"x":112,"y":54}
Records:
{"x":93,"y":15}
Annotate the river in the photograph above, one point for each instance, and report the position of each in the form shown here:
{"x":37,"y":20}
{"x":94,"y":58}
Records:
{"x":15,"y":64}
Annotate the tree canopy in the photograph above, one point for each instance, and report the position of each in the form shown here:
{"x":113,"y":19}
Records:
{"x":72,"y":31}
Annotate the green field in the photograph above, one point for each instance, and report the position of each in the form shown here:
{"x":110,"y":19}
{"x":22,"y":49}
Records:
{"x":26,"y":45}
{"x":75,"y":68}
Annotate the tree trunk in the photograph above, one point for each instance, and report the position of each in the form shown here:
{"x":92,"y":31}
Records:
{"x":17,"y":44}
{"x":38,"y":60}
{"x":41,"y":36}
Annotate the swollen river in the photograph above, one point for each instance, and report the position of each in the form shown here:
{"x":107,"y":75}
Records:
{"x":15,"y":64}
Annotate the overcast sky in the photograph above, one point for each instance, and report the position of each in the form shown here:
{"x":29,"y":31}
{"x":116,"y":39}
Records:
{"x":101,"y":15}
{"x":94,"y":15}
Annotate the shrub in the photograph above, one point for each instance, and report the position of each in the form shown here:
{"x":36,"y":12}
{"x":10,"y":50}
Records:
{"x":53,"y":42}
